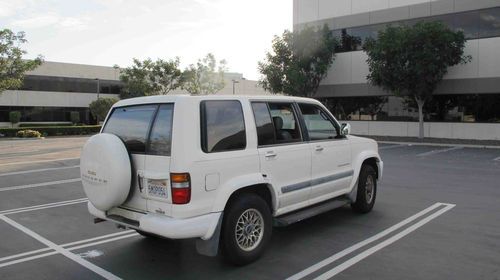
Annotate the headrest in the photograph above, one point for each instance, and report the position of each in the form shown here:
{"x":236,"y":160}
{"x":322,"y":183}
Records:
{"x":278,"y":122}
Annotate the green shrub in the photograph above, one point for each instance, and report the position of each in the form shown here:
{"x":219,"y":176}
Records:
{"x":74,"y":116}
{"x":14,"y":117}
{"x":55,"y":130}
{"x":28,"y":133}
{"x":44,"y":124}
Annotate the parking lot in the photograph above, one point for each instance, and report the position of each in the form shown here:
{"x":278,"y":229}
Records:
{"x":436,"y":217}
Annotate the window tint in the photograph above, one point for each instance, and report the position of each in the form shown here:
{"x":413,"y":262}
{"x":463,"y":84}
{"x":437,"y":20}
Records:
{"x":319,"y":126}
{"x":285,"y":123}
{"x":131,"y":124}
{"x":223,"y":126}
{"x":161,"y":134}
{"x":263,"y":122}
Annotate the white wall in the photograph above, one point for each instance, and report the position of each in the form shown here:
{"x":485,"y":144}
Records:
{"x":60,"y":69}
{"x":476,"y":131}
{"x":48,"y":98}
{"x":312,"y":10}
{"x":351,"y":67}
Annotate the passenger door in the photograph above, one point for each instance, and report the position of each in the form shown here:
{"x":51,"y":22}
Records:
{"x":131,"y":124}
{"x":331,"y":154}
{"x":285,"y":160}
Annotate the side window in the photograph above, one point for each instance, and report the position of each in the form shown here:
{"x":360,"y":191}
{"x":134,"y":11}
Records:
{"x":264,"y":124}
{"x":285,"y":123}
{"x":318,"y":125}
{"x":223,"y":126}
{"x":160,"y":140}
{"x":131,"y":124}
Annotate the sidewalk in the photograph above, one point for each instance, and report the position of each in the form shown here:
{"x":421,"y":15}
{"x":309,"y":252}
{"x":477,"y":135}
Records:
{"x":437,"y":141}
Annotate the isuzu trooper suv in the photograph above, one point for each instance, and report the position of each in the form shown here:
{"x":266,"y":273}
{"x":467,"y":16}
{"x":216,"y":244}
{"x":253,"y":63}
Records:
{"x":224,"y":169}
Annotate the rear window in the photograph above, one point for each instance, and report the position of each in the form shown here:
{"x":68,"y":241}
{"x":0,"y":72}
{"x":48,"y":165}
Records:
{"x":131,"y":124}
{"x":222,"y":126}
{"x":160,"y":141}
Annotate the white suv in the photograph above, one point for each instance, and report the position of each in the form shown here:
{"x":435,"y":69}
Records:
{"x":224,"y":169}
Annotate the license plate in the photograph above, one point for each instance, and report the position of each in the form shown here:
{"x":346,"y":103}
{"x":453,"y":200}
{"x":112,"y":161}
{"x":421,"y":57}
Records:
{"x":157,"y":188}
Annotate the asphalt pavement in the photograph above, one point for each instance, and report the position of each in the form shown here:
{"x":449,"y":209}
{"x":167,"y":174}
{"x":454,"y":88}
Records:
{"x":436,"y":217}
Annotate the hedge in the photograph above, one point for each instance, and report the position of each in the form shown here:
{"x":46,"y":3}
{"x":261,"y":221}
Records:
{"x":44,"y":124}
{"x":55,"y":130}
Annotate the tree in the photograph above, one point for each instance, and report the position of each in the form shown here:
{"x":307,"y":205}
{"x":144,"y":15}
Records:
{"x":411,"y":61}
{"x":298,"y":62}
{"x":206,"y":77}
{"x":74,"y":116}
{"x":150,"y":77}
{"x":12,"y":64}
{"x":100,"y":107}
{"x":14,"y":117}
{"x":372,"y":105}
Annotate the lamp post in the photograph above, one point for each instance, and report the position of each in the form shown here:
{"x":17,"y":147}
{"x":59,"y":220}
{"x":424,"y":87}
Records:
{"x":98,"y":87}
{"x":234,"y":82}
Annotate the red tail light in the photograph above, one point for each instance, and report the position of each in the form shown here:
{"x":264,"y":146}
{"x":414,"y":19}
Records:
{"x":181,"y":188}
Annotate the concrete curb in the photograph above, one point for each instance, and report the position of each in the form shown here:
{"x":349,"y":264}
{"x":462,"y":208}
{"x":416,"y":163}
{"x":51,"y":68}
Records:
{"x":440,"y":144}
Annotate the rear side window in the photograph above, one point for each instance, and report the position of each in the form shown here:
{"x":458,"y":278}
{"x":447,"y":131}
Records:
{"x":160,"y":141}
{"x":264,"y":124}
{"x":222,"y":126}
{"x":131,"y":124}
{"x":285,"y":123}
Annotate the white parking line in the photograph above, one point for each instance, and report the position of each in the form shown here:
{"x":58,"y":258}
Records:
{"x":63,"y":245}
{"x":496,"y":159}
{"x":40,"y":184}
{"x":365,"y":242}
{"x":54,"y":252}
{"x":391,"y":147}
{"x":61,"y":250}
{"x":38,"y":170}
{"x":433,"y":152}
{"x":43,"y":206}
{"x":352,"y":261}
{"x":37,"y":161}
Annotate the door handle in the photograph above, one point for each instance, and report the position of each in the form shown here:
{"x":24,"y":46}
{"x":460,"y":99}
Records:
{"x":319,"y":148}
{"x":139,"y":182}
{"x":270,"y":154}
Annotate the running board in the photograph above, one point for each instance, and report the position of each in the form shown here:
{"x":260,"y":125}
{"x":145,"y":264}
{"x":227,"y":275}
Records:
{"x":302,"y":214}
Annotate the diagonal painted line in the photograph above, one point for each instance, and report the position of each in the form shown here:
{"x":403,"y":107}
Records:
{"x":365,"y":242}
{"x":496,"y":159}
{"x":433,"y":152}
{"x":40,"y":185}
{"x":43,"y":206}
{"x":38,"y":170}
{"x":69,"y":249}
{"x":352,"y":261}
{"x":105,"y":274}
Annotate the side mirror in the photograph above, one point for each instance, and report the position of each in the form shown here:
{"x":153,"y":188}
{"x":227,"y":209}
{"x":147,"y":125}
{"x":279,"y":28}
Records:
{"x":345,"y":129}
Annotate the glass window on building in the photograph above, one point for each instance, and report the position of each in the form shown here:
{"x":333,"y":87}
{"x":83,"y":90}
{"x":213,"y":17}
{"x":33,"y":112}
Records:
{"x":468,"y":23}
{"x":489,"y":23}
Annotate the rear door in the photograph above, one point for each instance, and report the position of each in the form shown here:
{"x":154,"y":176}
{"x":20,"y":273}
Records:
{"x":284,"y":158}
{"x":132,"y":125}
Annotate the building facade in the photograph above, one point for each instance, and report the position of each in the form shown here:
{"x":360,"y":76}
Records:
{"x":53,"y":90}
{"x":469,"y":93}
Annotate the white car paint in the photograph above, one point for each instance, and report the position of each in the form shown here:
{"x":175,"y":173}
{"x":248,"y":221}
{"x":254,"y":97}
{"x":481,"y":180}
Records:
{"x":217,"y":176}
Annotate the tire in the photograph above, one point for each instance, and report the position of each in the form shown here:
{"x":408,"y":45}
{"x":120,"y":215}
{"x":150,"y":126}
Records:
{"x":367,"y":190}
{"x":249,"y":249}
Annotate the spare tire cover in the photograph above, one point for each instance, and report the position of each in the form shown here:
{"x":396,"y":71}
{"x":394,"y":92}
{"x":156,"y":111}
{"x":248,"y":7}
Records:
{"x":105,"y":170}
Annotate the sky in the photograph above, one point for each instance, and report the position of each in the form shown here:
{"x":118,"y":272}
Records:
{"x":112,"y":32}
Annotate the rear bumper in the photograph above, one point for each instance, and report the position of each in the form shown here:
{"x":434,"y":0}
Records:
{"x":197,"y":227}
